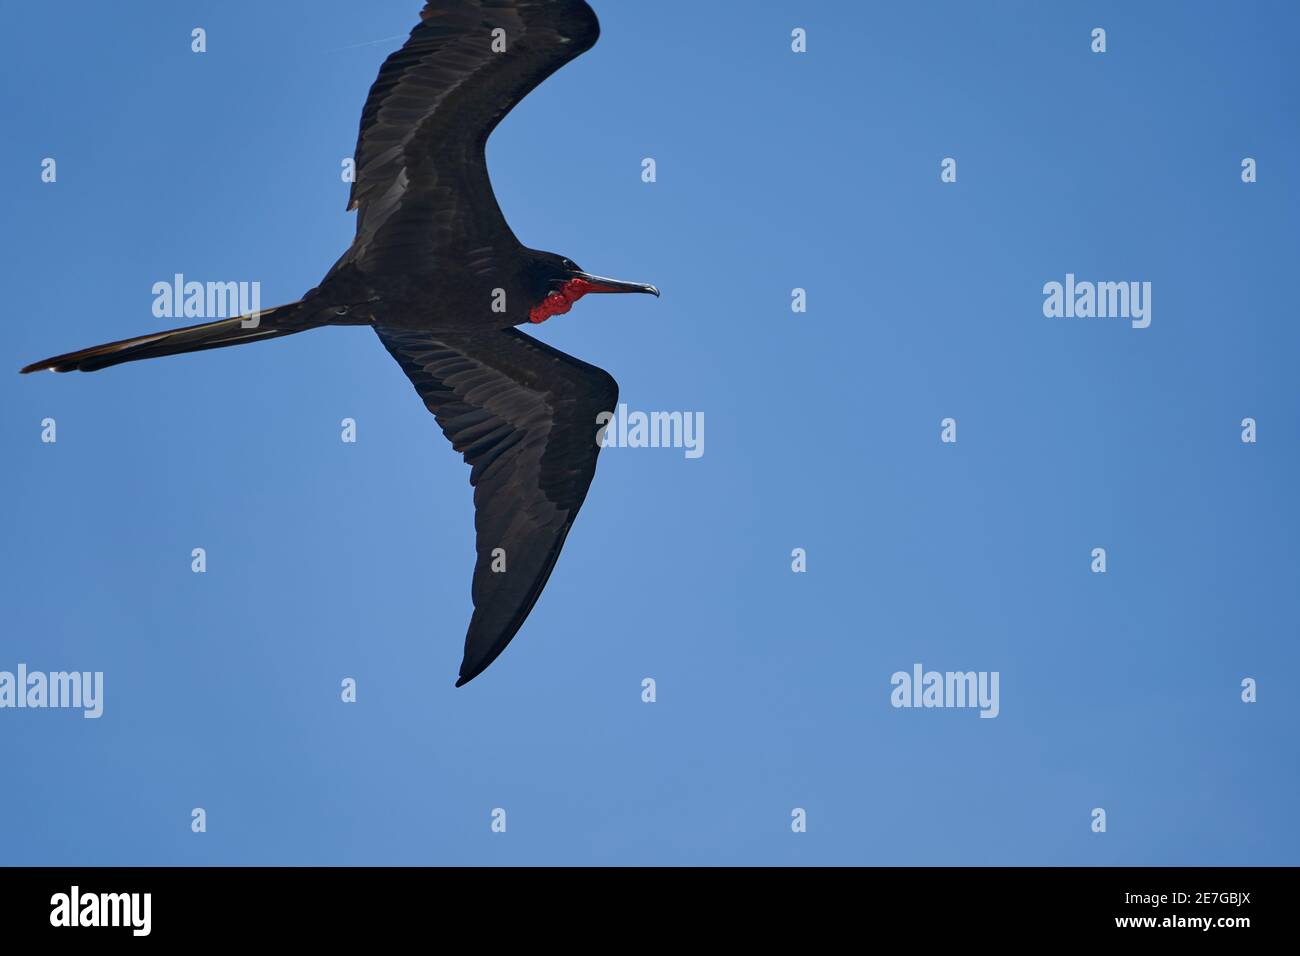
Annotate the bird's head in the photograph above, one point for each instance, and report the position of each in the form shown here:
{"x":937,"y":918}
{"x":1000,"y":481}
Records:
{"x":557,"y":283}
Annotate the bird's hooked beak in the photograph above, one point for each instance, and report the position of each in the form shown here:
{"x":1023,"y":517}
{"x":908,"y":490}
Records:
{"x":601,"y":284}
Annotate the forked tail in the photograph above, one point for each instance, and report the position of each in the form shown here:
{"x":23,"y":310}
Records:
{"x":269,"y":324}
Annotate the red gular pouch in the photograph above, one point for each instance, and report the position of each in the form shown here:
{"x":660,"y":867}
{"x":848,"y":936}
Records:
{"x":558,"y":303}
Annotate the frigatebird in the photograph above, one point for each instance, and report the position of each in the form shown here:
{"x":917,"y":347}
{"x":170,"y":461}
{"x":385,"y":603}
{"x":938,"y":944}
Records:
{"x":436,"y":271}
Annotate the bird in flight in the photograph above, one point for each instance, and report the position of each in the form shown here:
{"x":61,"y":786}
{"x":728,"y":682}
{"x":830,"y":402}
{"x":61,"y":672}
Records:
{"x":435,"y":270}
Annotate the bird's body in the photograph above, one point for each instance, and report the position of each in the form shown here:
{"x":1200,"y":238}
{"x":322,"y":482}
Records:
{"x":437,"y":272}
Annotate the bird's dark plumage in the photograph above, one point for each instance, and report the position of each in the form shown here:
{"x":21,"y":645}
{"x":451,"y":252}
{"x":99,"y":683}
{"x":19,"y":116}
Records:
{"x":422,"y":186}
{"x":524,"y":416}
{"x":437,"y":271}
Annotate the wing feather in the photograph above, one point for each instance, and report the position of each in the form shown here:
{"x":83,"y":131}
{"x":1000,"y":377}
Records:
{"x":524,"y":416}
{"x":421,"y":181}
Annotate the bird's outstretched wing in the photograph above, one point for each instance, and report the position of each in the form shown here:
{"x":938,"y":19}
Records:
{"x":421,"y":174}
{"x":524,"y":415}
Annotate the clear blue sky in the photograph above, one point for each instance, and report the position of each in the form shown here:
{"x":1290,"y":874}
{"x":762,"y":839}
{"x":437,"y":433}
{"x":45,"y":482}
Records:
{"x":775,"y":171}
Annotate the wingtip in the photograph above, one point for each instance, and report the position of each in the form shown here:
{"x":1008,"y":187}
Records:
{"x":465,"y":678}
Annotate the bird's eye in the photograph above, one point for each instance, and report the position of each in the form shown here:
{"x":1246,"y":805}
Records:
{"x":568,"y":264}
